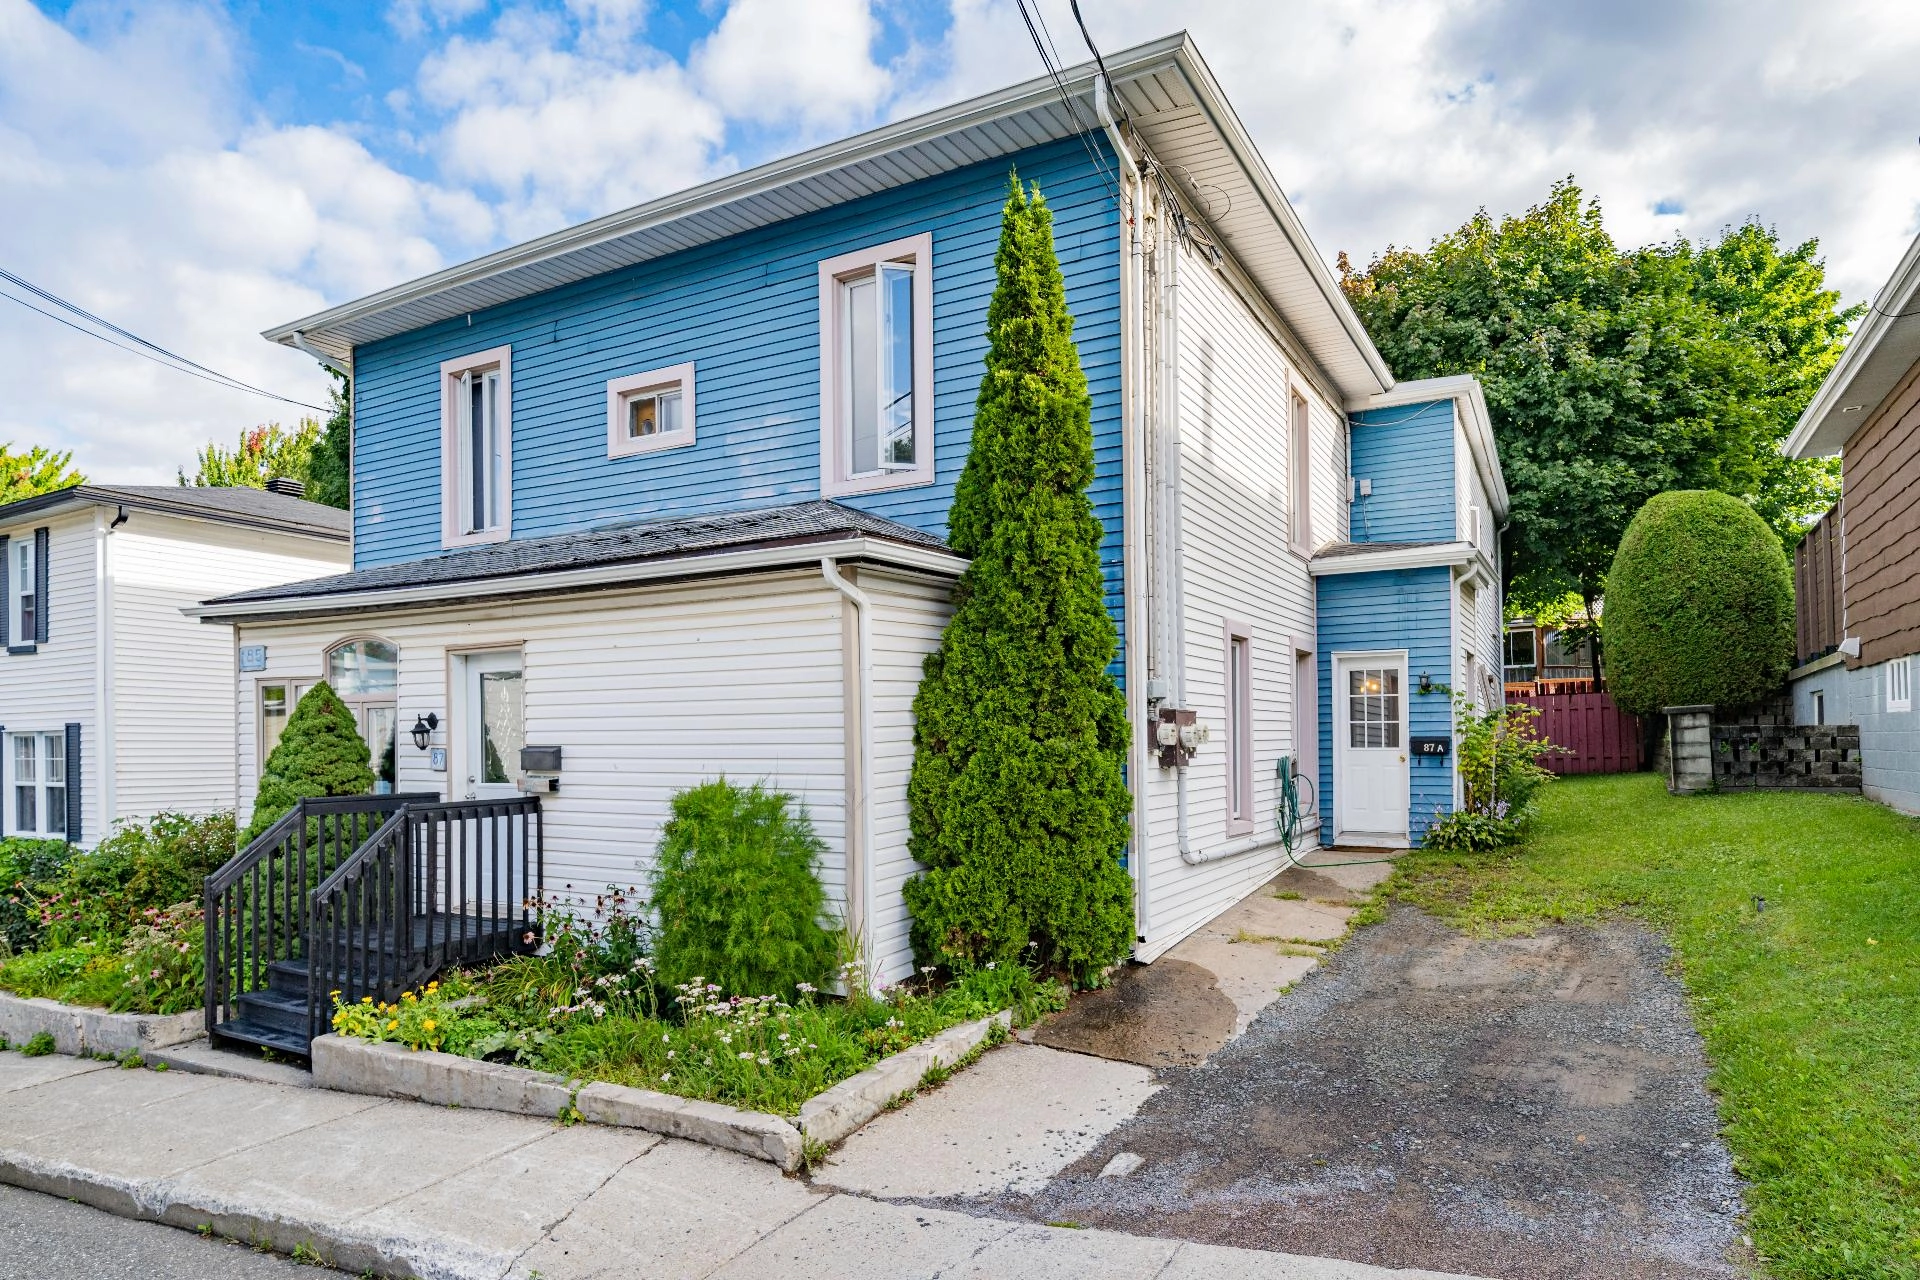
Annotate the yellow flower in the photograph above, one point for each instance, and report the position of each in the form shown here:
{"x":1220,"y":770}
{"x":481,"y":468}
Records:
{"x":392,"y":1023}
{"x":433,"y":986}
{"x":366,"y":999}
{"x":406,"y":995}
{"x":428,"y":1024}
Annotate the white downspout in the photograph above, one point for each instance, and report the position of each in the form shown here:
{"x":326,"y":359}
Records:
{"x":860,"y":822}
{"x":1133,"y":484}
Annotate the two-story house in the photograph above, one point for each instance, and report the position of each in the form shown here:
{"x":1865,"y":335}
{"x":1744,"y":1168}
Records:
{"x":1856,"y":594}
{"x":662,"y":497}
{"x":113,"y":703}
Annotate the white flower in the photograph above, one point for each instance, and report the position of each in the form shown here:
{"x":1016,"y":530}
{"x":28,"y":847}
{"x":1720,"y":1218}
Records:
{"x":665,"y":1078}
{"x":992,"y":963}
{"x":745,"y":1056}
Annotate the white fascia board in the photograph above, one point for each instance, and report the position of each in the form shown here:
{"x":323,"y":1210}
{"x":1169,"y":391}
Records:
{"x":1864,"y":374}
{"x":1470,"y":402}
{"x":1433,"y":557}
{"x":676,"y":568}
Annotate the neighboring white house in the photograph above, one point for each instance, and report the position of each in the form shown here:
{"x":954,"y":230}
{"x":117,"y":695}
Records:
{"x":664,"y":496}
{"x":113,"y":703}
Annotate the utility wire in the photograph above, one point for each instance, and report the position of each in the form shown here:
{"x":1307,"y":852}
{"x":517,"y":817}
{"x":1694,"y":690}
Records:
{"x":148,"y":350}
{"x":1051,"y":62}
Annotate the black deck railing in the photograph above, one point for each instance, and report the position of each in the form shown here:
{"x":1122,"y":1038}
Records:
{"x":439,"y":883}
{"x":256,"y":905}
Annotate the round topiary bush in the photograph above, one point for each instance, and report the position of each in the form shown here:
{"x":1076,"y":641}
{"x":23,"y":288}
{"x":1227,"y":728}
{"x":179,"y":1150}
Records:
{"x":737,"y":894}
{"x":1699,"y":606}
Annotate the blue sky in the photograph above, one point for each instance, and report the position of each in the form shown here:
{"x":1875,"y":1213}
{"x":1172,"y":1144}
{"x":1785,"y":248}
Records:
{"x":197,"y":170}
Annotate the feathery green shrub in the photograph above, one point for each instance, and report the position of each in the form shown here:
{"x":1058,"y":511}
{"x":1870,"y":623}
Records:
{"x":1019,"y":805}
{"x":736,"y":894}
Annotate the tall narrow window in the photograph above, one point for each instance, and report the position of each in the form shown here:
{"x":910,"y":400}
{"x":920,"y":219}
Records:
{"x":476,"y":448}
{"x":1239,"y":727}
{"x":39,"y":784}
{"x":1301,"y":462}
{"x":24,"y":590}
{"x":1900,"y":684}
{"x":876,"y":355}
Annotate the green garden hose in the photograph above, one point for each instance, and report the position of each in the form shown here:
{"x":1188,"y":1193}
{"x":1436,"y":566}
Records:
{"x":1291,"y":816}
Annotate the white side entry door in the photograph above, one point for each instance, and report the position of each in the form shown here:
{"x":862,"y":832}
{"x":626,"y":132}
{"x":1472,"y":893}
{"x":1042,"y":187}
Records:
{"x":493,"y":726}
{"x":1370,"y":747}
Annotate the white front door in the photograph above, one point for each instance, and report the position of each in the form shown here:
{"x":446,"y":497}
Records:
{"x":493,"y":726}
{"x":1370,"y":747}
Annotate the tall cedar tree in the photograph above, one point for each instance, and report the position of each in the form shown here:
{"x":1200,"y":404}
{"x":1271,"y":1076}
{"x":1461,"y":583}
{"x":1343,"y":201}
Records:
{"x":1614,"y":374}
{"x":1019,"y":806}
{"x":320,"y":753}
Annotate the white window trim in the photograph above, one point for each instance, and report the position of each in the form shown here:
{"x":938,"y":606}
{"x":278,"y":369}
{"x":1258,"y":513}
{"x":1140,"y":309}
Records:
{"x":300,"y":683}
{"x":1900,"y":684}
{"x":673,"y":377}
{"x":40,"y":784}
{"x":1300,"y":465}
{"x":834,"y":480}
{"x":1239,"y":726}
{"x":451,"y":534}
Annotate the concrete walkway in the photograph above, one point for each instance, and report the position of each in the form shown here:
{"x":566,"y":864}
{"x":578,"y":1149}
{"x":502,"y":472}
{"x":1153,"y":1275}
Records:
{"x":403,"y":1189}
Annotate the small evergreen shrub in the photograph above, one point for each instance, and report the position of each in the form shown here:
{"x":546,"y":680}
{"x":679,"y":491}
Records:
{"x":320,"y":753}
{"x":736,"y":894}
{"x":1018,"y":802}
{"x":1699,"y":606}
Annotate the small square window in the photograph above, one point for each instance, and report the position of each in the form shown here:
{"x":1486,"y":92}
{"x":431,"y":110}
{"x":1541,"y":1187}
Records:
{"x":650,"y":411}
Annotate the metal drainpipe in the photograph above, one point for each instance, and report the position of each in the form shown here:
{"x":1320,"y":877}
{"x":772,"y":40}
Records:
{"x":859,"y":870}
{"x":1132,"y":429}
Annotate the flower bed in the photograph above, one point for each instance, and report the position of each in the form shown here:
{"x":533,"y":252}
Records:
{"x":118,"y":928}
{"x":755,"y":1052}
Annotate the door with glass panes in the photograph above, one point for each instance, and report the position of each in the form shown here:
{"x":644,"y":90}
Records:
{"x":1370,"y":747}
{"x":493,"y":724}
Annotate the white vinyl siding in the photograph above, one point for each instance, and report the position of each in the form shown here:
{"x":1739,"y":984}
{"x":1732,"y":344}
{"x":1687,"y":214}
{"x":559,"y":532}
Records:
{"x":44,"y":691}
{"x":651,"y":691}
{"x":1236,"y":490}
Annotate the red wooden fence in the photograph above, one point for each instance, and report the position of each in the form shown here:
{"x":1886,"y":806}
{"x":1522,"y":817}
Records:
{"x":1596,"y":736}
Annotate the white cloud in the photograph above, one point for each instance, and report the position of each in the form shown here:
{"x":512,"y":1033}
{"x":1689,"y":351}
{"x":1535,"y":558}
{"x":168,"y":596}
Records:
{"x":1391,"y":121}
{"x":774,"y":62}
{"x":413,"y":18}
{"x":563,"y":127}
{"x":150,"y":202}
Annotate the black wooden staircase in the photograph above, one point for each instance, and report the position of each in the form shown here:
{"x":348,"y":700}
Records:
{"x":364,"y":896}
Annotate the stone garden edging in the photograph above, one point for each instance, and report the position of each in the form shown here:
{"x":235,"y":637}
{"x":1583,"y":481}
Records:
{"x":79,"y":1030}
{"x":347,"y":1064}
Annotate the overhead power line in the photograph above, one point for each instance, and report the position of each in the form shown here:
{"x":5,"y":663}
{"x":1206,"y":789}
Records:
{"x":1050,"y":59}
{"x":141,"y":347}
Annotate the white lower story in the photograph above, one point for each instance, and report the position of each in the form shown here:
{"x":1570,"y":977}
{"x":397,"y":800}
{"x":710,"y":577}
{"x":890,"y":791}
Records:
{"x":648,"y":691}
{"x":1826,"y":691}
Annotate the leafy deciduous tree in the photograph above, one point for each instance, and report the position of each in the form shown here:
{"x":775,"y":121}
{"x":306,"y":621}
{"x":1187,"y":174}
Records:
{"x":264,"y":453}
{"x":39,"y":470}
{"x":330,"y":468}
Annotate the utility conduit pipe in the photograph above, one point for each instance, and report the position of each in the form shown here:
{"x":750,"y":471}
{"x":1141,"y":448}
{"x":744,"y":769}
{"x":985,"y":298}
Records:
{"x":860,"y":849}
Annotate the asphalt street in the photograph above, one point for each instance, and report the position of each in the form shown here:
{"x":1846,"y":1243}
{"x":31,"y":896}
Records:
{"x":42,"y":1238}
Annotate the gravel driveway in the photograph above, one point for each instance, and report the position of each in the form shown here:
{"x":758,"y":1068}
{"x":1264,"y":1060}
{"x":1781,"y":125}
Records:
{"x":1522,"y":1107}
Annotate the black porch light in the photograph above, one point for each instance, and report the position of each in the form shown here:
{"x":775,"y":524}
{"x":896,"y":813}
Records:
{"x":423,"y":727}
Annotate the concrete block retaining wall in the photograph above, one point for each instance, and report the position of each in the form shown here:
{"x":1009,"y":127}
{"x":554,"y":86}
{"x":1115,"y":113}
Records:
{"x":1760,"y":747}
{"x":80,"y":1030}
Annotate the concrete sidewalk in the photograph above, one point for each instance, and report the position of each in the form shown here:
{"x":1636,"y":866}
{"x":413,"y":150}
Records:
{"x":403,"y":1189}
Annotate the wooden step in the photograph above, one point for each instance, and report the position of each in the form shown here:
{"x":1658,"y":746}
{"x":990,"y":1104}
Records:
{"x":277,"y":1009}
{"x":245,"y":1031}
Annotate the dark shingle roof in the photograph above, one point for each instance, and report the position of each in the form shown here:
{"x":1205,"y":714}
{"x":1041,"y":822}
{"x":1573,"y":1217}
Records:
{"x":650,"y":540}
{"x":249,"y":508}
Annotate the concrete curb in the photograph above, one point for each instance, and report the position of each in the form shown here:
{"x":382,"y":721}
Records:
{"x":831,"y":1116}
{"x":79,"y":1030}
{"x":350,"y":1065}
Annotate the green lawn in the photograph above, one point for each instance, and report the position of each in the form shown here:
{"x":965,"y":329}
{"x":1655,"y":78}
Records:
{"x":1810,"y":1007}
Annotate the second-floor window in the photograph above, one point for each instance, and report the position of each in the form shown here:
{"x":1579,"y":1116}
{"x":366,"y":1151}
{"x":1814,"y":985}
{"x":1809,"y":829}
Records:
{"x":650,"y":411}
{"x":876,"y":358}
{"x":476,"y":447}
{"x":23,"y":587}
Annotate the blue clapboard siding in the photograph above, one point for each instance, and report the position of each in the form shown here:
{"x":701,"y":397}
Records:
{"x":745,"y":311}
{"x":1407,"y":451}
{"x":1396,"y":609}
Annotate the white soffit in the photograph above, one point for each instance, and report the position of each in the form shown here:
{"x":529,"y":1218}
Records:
{"x":1166,"y":89}
{"x":1882,"y":351}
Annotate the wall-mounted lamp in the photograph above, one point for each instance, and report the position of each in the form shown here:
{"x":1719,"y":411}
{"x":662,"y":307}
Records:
{"x":1426,"y":683}
{"x":423,"y":727}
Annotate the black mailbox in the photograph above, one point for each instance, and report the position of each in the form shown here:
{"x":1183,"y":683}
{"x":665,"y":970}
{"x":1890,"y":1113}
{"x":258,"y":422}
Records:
{"x":1436,"y":746}
{"x":540,"y":760}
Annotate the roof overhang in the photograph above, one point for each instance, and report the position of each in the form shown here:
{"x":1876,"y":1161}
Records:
{"x":1882,"y":351}
{"x":654,"y":572}
{"x":1166,"y":90}
{"x":1428,"y":555}
{"x":1470,"y":402}
{"x":83,"y":496}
